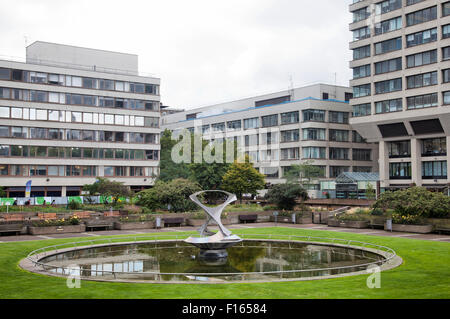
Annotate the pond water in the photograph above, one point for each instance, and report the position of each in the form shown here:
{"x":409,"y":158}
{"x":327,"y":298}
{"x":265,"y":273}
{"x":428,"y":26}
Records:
{"x":178,"y":261}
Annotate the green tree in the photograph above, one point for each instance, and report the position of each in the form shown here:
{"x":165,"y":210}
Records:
{"x":243,"y":178}
{"x":371,"y":194}
{"x":2,"y":191}
{"x":304,"y":173}
{"x":169,"y":170}
{"x":172,"y":195}
{"x":285,"y":195}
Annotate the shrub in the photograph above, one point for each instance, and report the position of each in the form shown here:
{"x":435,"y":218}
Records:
{"x":73,"y":220}
{"x":74,"y":205}
{"x":269,"y":207}
{"x":353,"y":217}
{"x":406,"y":219}
{"x":173,"y":196}
{"x":415,"y":201}
{"x":376,"y":212}
{"x":284,"y":196}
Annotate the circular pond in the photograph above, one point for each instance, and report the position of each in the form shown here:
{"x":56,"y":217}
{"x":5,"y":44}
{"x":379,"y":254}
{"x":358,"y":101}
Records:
{"x":175,"y":261}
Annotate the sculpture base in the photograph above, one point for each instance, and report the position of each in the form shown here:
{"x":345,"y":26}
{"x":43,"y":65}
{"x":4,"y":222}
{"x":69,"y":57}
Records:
{"x":215,"y":242}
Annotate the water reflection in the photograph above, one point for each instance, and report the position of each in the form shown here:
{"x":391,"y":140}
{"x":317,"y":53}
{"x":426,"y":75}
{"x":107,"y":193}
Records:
{"x":263,"y":260}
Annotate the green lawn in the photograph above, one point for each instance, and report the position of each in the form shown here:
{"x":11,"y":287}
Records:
{"x":425,"y":273}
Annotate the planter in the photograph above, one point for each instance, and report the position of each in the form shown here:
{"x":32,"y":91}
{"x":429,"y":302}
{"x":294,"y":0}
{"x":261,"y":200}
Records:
{"x":282,"y":219}
{"x":56,"y":229}
{"x":195,"y":222}
{"x":419,"y":229}
{"x":134,"y":225}
{"x":348,"y":223}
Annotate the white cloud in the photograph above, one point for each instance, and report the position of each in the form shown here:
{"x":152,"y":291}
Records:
{"x":205,"y":51}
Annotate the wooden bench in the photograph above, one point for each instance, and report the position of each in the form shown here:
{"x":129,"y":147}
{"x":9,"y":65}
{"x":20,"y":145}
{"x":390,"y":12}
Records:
{"x":49,"y":216}
{"x":13,"y":217}
{"x":173,"y":221}
{"x":248,"y":218}
{"x":99,"y":223}
{"x":11,"y":228}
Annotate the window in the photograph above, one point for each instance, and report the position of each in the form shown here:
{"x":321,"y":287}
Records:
{"x":361,"y":14}
{"x":422,"y":37}
{"x":4,"y":150}
{"x":422,"y":101}
{"x":338,"y":153}
{"x":423,"y":58}
{"x":361,"y":33}
{"x":74,"y":135}
{"x":335,"y":171}
{"x":361,"y":110}
{"x":446,"y":31}
{"x":4,"y":93}
{"x":388,"y":66}
{"x":388,"y":45}
{"x":361,"y":154}
{"x":89,"y":83}
{"x":434,"y":170}
{"x":361,"y":71}
{"x":361,"y":52}
{"x":434,"y":147}
{"x":270,"y":120}
{"x":289,"y":153}
{"x":446,"y":96}
{"x":4,"y":111}
{"x":40,"y":133}
{"x":421,"y":16}
{"x":5,"y":74}
{"x":356,"y":138}
{"x":251,"y":123}
{"x":19,"y":132}
{"x":388,"y":106}
{"x":38,"y":171}
{"x":338,"y":135}
{"x":400,"y":170}
{"x":388,"y":25}
{"x":289,"y":118}
{"x":314,"y":152}
{"x":36,"y":77}
{"x":38,"y":96}
{"x":421,"y":80}
{"x":105,"y":101}
{"x":388,"y":86}
{"x":4,"y":131}
{"x":234,"y":125}
{"x":445,"y":76}
{"x":108,"y":171}
{"x":361,"y":90}
{"x":137,"y":87}
{"x":149,"y":121}
{"x":270,"y":172}
{"x":270,"y":138}
{"x":338,"y":117}
{"x":362,"y":169}
{"x":106,"y":85}
{"x":56,"y":79}
{"x":314,"y":134}
{"x":446,"y":9}
{"x":290,"y":136}
{"x":16,"y":113}
{"x":313,"y":116}
{"x":387,"y":6}
{"x":218,"y":127}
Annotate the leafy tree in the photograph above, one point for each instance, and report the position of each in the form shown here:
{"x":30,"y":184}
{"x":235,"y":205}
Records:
{"x":2,"y":191}
{"x":172,"y":195}
{"x":304,"y":173}
{"x":104,"y":187}
{"x":286,"y":195}
{"x":170,"y":170}
{"x":370,"y":192}
{"x":242,"y":178}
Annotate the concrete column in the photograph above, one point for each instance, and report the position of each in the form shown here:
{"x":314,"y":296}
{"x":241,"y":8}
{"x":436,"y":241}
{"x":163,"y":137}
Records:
{"x":63,"y":191}
{"x":416,"y":165}
{"x":448,"y":159}
{"x":383,"y":163}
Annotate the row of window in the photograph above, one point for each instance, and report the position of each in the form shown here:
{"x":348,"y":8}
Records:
{"x":309,"y":134}
{"x":77,"y":135}
{"x":77,"y":99}
{"x":430,"y":147}
{"x":393,"y":85}
{"x":273,"y":120}
{"x":77,"y":81}
{"x":75,"y":171}
{"x":334,"y":171}
{"x":77,"y":152}
{"x":430,"y":170}
{"x":77,"y":117}
{"x":396,"y":105}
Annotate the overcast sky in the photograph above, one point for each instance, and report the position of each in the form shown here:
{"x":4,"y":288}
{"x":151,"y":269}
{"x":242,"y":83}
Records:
{"x":204,"y":51}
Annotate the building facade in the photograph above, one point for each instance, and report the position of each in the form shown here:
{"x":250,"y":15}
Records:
{"x":70,"y":114}
{"x":281,"y":129}
{"x":401,"y":86}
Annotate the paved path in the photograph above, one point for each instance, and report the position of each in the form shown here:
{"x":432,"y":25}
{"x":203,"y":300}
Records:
{"x":368,"y":232}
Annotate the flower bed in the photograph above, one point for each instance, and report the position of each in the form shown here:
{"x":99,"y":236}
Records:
{"x":332,"y":222}
{"x":135,"y":222}
{"x":419,"y":229}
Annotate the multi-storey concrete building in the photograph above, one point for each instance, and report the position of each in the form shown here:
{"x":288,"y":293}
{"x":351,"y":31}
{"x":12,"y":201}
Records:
{"x":401,"y":84}
{"x":70,"y":114}
{"x":284,"y":128}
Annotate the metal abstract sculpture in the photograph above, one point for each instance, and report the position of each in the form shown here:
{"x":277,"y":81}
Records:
{"x":209,"y":241}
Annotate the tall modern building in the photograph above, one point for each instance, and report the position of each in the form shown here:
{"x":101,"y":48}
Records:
{"x":284,"y":128}
{"x":70,"y":114}
{"x":401,"y":86}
